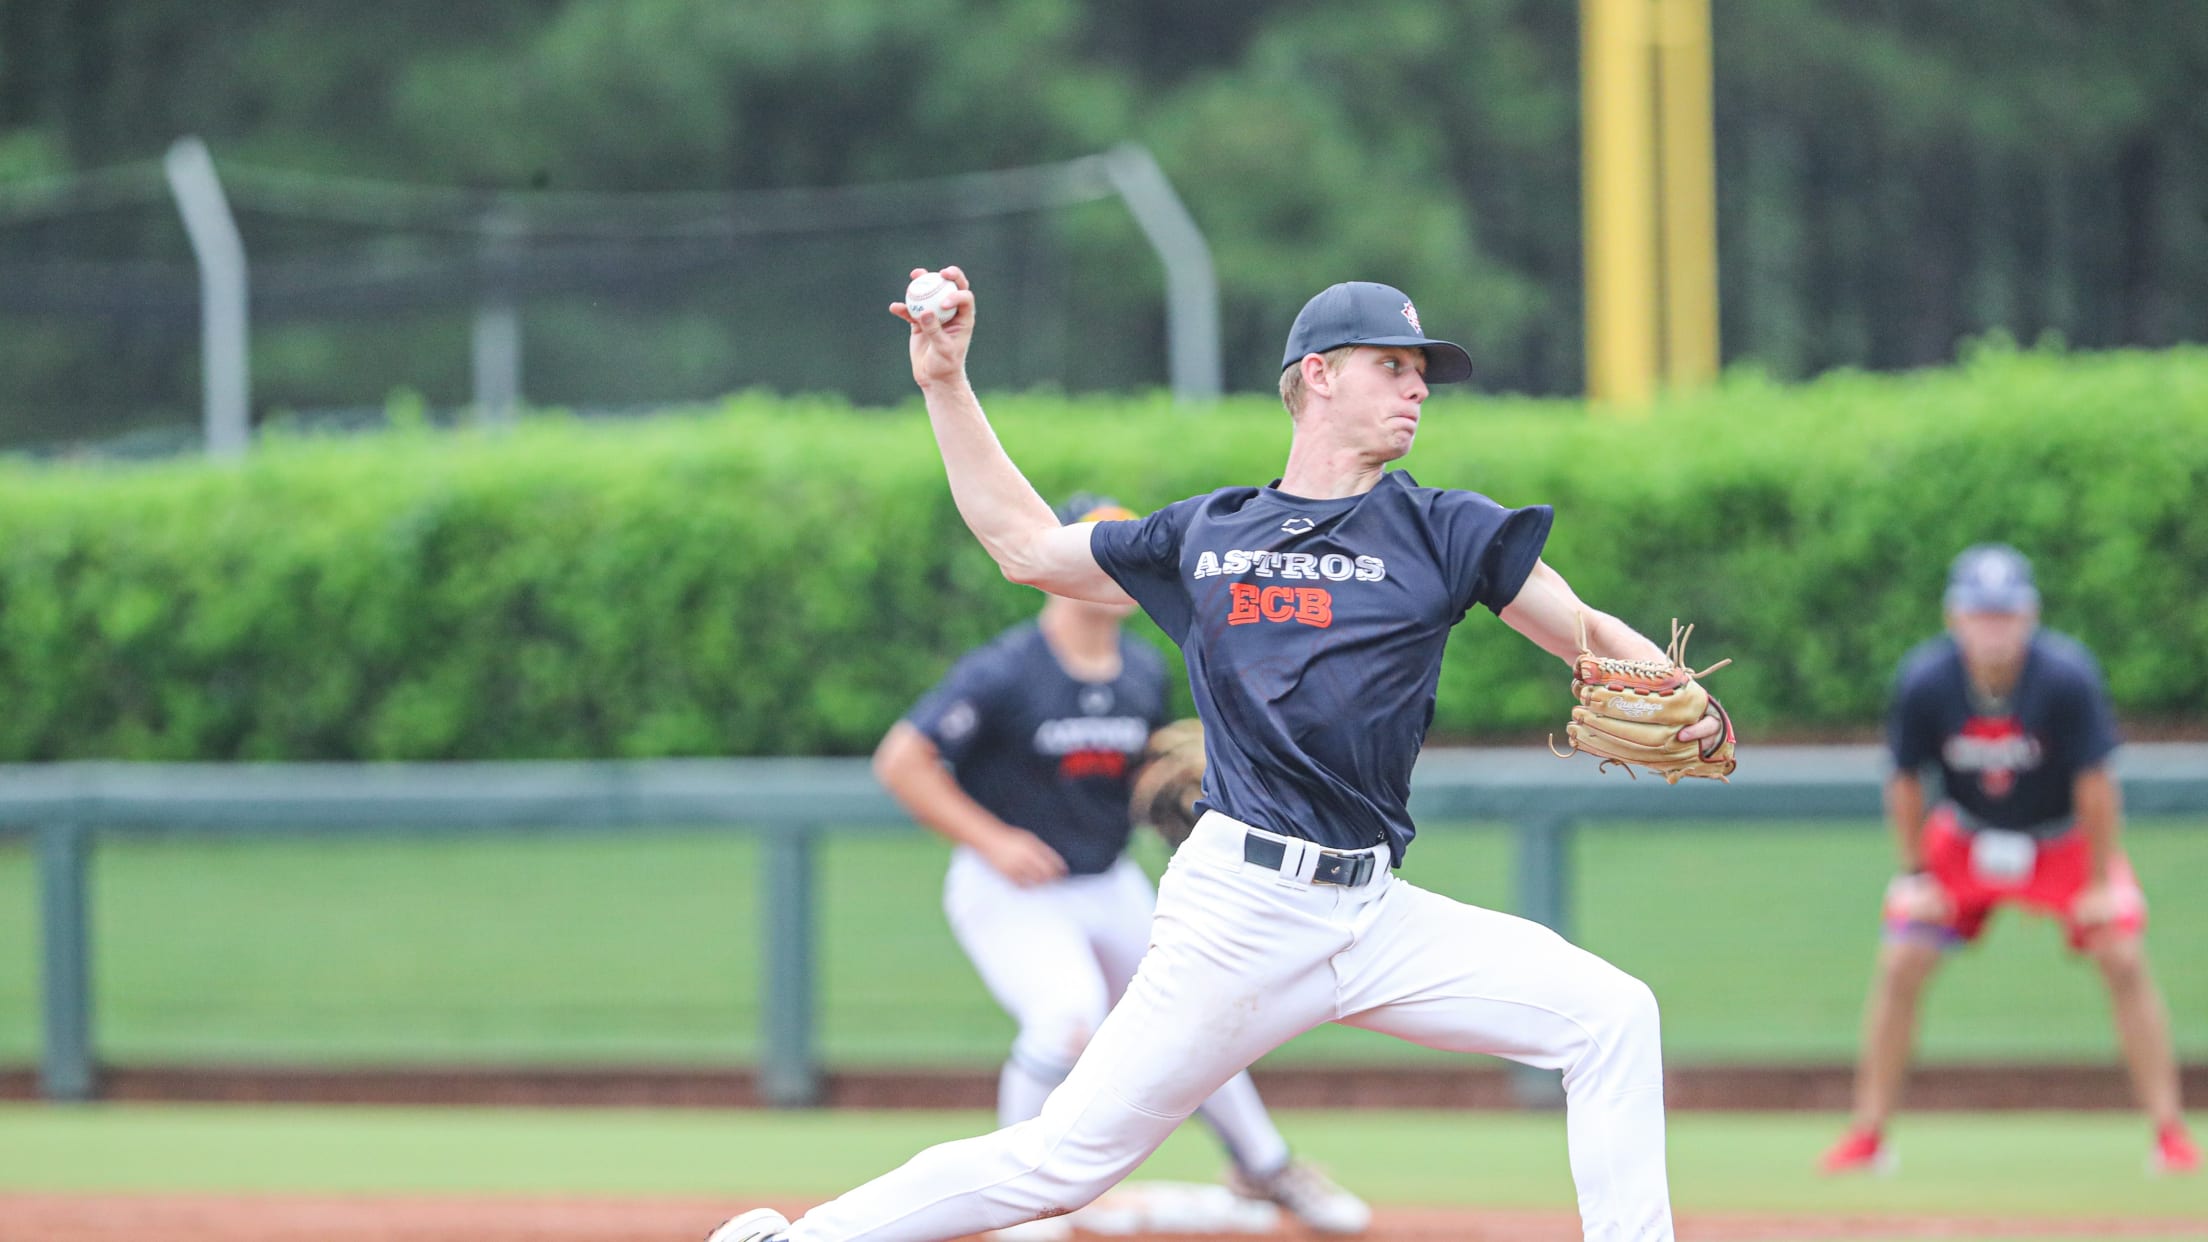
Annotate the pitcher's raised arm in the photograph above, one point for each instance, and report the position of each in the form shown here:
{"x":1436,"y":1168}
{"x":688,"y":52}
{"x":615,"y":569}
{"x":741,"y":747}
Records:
{"x":1015,"y":526}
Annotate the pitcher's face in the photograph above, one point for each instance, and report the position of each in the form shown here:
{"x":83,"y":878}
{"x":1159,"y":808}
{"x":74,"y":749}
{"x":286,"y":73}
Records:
{"x":1378,"y":396}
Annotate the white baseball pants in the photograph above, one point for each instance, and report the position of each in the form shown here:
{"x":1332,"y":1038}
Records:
{"x":1058,"y":956}
{"x":1243,"y":958}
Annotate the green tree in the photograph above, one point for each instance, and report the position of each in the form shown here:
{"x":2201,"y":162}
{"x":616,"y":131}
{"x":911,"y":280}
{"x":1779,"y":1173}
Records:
{"x":1895,"y":176}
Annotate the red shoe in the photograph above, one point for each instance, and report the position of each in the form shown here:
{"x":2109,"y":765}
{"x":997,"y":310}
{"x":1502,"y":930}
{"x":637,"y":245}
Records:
{"x":2174,"y":1151}
{"x":1858,"y":1151}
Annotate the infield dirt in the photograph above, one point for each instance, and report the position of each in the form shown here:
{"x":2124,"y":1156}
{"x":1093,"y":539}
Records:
{"x":237,"y":1218}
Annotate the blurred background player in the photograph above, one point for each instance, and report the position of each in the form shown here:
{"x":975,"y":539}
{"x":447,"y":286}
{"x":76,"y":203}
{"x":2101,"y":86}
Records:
{"x":1041,"y":729}
{"x":2019,"y":725}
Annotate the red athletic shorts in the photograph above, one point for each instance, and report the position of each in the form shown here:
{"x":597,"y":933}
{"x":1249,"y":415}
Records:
{"x":2047,"y":883}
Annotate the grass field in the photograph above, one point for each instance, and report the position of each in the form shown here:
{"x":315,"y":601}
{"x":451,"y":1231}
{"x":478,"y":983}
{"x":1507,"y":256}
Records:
{"x":645,"y":948}
{"x":2009,"y":1165}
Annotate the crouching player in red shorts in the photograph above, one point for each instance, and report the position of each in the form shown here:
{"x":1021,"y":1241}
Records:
{"x":2019,"y":725}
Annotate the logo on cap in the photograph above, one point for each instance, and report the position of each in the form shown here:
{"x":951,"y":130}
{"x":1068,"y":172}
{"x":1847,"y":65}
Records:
{"x":1410,"y":312}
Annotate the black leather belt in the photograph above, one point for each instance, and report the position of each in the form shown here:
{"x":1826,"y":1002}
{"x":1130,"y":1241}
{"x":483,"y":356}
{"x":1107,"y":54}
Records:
{"x":1347,"y":870}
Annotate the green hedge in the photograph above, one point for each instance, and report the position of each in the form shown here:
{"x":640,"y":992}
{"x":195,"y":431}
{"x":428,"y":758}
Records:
{"x":783,"y":576}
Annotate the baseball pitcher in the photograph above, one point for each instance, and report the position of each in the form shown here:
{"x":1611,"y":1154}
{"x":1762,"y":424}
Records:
{"x":1311,"y":613}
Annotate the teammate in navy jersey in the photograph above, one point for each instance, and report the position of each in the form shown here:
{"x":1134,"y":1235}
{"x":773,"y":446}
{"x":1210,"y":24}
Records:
{"x":1040,"y":729}
{"x":1312,"y":614}
{"x":2017,"y":725}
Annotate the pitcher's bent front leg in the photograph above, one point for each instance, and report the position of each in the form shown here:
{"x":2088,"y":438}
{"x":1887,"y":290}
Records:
{"x":1454,"y":976}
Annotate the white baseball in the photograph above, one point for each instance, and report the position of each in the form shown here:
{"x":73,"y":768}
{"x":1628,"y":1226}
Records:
{"x":929,"y":291}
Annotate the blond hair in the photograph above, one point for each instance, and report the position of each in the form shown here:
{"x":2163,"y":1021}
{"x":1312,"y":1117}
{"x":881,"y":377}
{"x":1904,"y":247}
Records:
{"x":1292,"y":391}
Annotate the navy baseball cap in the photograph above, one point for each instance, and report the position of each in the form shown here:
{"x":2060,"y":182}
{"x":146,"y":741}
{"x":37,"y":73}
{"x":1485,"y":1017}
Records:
{"x":1359,"y":312}
{"x":1090,"y":507}
{"x":1991,"y":577}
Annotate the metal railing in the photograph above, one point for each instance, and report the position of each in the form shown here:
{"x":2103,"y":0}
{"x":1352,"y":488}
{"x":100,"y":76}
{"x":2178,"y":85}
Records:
{"x":790,"y":803}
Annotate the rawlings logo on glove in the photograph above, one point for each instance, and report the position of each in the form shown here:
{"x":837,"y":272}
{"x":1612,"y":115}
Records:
{"x":1630,"y":713}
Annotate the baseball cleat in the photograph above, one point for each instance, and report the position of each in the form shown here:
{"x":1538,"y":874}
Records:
{"x":1859,"y":1151}
{"x":756,"y":1225}
{"x":2174,"y":1152}
{"x":1308,"y":1195}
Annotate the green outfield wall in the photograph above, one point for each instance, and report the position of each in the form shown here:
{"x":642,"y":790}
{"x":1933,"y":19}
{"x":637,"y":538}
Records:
{"x":360,"y":915}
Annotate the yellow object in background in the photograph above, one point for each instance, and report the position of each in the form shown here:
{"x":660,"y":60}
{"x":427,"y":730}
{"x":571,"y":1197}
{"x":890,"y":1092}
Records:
{"x":1649,"y":197}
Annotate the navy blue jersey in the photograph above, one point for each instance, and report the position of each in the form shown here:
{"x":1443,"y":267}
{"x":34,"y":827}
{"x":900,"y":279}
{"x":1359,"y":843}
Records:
{"x":2008,"y":764}
{"x":1313,"y":632}
{"x":1042,"y":750}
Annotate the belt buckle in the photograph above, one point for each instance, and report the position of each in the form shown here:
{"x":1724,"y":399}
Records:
{"x":1343,"y":870}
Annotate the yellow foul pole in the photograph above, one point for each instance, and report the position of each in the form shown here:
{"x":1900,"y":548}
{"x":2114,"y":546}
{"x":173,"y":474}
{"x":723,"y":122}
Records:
{"x":1689,"y":191}
{"x":1618,"y":188}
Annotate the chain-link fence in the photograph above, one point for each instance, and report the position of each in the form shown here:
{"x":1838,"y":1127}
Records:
{"x":372,"y":296}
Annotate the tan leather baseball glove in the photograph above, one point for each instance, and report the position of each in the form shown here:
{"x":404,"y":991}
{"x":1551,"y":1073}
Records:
{"x":1169,"y":780}
{"x":1630,"y":712}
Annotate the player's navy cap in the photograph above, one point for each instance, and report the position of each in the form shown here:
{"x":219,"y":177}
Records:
{"x":1991,"y":577}
{"x":1090,"y":507}
{"x":1359,"y":312}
